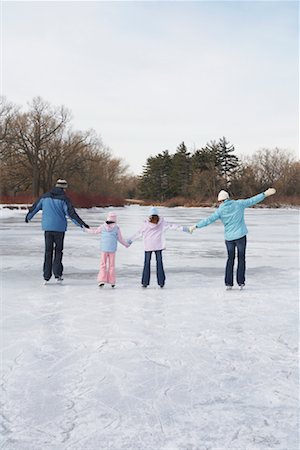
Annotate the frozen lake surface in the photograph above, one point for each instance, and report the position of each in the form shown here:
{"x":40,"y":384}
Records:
{"x":187,"y":367}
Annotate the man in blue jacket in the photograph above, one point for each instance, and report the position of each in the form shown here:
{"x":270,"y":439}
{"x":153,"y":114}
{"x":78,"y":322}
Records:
{"x":231,"y":213}
{"x":55,"y":206}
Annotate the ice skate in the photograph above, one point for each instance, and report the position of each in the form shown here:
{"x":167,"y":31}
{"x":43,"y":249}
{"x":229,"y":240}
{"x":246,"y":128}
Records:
{"x":101,"y":284}
{"x":59,"y":280}
{"x":241,"y":286}
{"x":228,"y":288}
{"x":113,"y":285}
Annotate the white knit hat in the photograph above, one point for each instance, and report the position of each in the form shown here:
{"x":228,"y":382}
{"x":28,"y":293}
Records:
{"x":223,"y":195}
{"x":61,"y":184}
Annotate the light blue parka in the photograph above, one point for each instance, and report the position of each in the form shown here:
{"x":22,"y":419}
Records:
{"x":231,"y":213}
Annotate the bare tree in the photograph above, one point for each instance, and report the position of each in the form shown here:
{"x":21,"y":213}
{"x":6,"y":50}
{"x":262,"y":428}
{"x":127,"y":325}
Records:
{"x":33,"y":135}
{"x":269,"y":165}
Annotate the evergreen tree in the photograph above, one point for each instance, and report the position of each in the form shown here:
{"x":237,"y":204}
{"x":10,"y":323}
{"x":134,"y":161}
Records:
{"x":155,"y":180}
{"x":181,"y":174}
{"x":205,"y":172}
{"x":204,"y":159}
{"x":227,"y":163}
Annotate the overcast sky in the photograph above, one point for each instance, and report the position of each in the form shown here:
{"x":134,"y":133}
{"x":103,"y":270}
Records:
{"x":149,"y":75}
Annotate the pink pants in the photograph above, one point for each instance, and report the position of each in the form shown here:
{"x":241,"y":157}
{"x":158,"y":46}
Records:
{"x":107,"y":272}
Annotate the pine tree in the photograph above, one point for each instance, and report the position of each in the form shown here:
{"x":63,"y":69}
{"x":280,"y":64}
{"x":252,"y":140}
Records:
{"x":155,"y":181}
{"x":181,"y":173}
{"x":227,"y":163}
{"x":204,"y":172}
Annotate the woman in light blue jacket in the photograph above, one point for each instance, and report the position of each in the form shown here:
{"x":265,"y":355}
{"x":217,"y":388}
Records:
{"x":231,"y":213}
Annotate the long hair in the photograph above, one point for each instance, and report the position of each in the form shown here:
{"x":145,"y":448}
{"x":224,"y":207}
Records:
{"x":154,"y":219}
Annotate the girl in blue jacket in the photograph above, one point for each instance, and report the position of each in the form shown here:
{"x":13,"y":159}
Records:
{"x":110,"y":236}
{"x":231,"y":213}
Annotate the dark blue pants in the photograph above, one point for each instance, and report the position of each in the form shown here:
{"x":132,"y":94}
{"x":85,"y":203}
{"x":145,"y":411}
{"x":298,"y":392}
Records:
{"x":240,"y":244}
{"x":54,"y":242}
{"x":160,"y":273}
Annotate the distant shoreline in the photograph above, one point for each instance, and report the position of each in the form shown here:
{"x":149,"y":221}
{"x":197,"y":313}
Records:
{"x":275,"y":205}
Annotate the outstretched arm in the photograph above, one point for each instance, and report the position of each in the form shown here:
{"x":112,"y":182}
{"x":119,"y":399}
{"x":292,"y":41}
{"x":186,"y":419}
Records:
{"x":210,"y":219}
{"x":136,"y":235}
{"x":94,"y":230}
{"x":203,"y":223}
{"x":172,"y":226}
{"x":37,"y":206}
{"x":121,"y":239}
{"x":257,"y":198}
{"x":70,"y":212}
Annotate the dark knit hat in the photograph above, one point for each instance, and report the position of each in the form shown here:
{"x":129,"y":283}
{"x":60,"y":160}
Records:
{"x":61,"y":184}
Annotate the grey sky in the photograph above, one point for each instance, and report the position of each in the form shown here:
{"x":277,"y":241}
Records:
{"x":149,"y":75}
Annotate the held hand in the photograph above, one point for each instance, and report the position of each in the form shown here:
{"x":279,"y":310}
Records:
{"x":129,"y":242}
{"x":270,"y":191}
{"x":186,"y":229}
{"x":86,"y":225}
{"x":192,"y":228}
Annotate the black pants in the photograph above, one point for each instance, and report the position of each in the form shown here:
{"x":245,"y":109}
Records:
{"x":240,"y":244}
{"x":160,"y":273}
{"x":54,"y":240}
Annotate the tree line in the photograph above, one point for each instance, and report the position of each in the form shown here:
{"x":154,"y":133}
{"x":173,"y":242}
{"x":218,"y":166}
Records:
{"x":39,"y":145}
{"x":194,"y":177}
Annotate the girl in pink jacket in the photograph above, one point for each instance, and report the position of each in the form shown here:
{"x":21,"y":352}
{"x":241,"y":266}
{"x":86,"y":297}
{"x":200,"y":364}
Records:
{"x":152,"y":232}
{"x":110,"y":236}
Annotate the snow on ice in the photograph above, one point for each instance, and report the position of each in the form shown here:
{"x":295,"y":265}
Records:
{"x":187,"y":367}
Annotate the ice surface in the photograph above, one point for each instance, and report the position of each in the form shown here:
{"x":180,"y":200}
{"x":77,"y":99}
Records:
{"x":187,"y":367}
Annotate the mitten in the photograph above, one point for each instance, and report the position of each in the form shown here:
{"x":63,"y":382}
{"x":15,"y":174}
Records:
{"x":270,"y":191}
{"x":186,"y":229}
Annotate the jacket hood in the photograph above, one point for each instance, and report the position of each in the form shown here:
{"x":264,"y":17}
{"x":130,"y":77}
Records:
{"x":57,"y":192}
{"x":109,"y":226}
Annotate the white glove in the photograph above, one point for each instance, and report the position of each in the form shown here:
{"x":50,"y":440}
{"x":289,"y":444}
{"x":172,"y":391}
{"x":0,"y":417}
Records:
{"x":192,"y":228}
{"x":270,"y":191}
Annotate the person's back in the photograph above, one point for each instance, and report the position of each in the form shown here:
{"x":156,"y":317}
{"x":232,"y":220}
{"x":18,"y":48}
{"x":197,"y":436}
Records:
{"x":55,"y":206}
{"x":232,"y":215}
{"x":109,"y":237}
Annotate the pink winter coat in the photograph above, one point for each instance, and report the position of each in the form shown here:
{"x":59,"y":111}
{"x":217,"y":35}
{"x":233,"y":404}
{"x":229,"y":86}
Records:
{"x":153,"y":234}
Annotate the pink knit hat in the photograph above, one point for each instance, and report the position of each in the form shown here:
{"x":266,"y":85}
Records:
{"x":111,"y":217}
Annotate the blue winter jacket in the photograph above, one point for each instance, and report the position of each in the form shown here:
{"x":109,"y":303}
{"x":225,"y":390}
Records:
{"x":56,"y":206}
{"x":231,"y":213}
